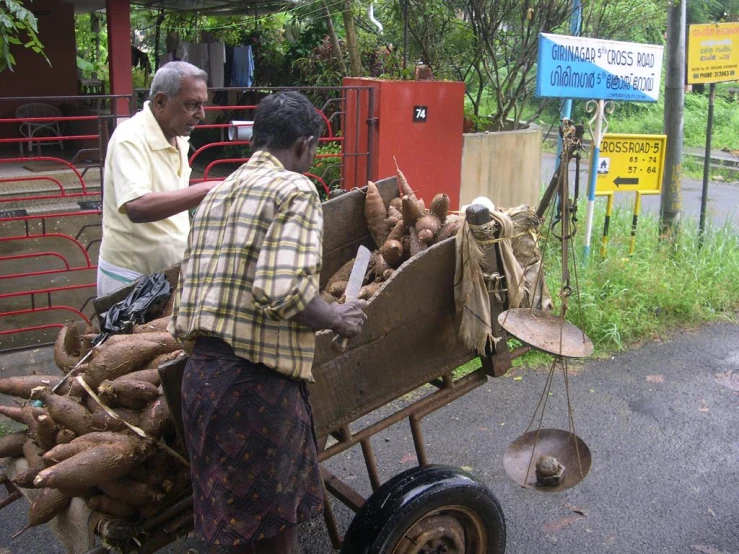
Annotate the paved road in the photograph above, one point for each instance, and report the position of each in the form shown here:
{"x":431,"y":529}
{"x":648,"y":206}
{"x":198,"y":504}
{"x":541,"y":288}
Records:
{"x":722,"y":206}
{"x":660,"y":421}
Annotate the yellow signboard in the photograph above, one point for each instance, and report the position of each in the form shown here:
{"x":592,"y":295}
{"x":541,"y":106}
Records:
{"x":629,"y":163}
{"x":713,"y":53}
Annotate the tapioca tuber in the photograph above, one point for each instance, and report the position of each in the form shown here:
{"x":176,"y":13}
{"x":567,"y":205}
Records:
{"x":450,"y":227}
{"x":342,"y":274}
{"x":336,"y":289}
{"x":131,"y":492}
{"x":440,"y":206}
{"x":368,"y":291}
{"x":375,"y":213}
{"x":427,"y":227}
{"x":155,"y":362}
{"x":63,"y":436}
{"x":102,"y":421}
{"x":64,"y":410}
{"x":11,"y":446}
{"x":412,"y":211}
{"x":153,"y":326}
{"x":25,"y":478}
{"x":416,"y":246}
{"x":111,"y":506}
{"x":392,"y":253}
{"x":95,"y":465}
{"x":126,"y":354}
{"x":47,"y":505}
{"x":380,"y":264}
{"x":397,"y":232}
{"x":404,"y":188}
{"x":22,"y":386}
{"x":127,"y":393}
{"x":155,"y":418}
{"x":394,"y":210}
{"x":67,"y":347}
{"x":12,"y":412}
{"x":62,"y":452}
{"x":46,"y":430}
{"x":150,"y":375}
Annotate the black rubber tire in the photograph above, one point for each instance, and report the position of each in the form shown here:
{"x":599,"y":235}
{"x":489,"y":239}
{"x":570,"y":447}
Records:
{"x":421,"y":492}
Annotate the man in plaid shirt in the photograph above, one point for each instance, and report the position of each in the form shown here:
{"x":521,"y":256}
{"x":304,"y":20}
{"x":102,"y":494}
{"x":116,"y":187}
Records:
{"x":247,"y":314}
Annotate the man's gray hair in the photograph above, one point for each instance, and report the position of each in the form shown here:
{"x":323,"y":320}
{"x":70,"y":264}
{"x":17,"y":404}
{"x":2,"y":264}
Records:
{"x":168,"y":78}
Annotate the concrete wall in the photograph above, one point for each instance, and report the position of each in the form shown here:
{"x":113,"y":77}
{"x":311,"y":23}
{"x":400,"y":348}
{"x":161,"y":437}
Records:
{"x":505,"y":167}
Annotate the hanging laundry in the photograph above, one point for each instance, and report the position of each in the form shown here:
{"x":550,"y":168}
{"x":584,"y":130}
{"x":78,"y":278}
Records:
{"x":180,"y":53}
{"x":243,"y":67}
{"x":172,"y":41}
{"x":228,"y":68}
{"x":166,"y":58}
{"x":196,"y":54}
{"x":217,"y":57}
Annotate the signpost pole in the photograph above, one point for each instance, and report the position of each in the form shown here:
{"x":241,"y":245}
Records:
{"x":635,"y":222}
{"x":566,"y":111}
{"x":707,"y":161}
{"x":606,"y":225}
{"x":599,"y":107}
{"x":713,"y":57}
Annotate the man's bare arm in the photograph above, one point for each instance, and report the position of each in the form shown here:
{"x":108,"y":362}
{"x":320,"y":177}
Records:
{"x":156,"y":206}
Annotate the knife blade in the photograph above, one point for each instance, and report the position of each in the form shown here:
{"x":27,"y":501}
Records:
{"x":359,"y":269}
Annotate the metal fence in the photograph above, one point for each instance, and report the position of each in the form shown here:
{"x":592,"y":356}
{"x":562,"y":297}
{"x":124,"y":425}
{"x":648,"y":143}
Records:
{"x":50,"y":211}
{"x":51,"y":192}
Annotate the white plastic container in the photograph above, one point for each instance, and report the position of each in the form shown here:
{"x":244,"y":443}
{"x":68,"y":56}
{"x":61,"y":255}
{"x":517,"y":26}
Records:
{"x":240,"y":130}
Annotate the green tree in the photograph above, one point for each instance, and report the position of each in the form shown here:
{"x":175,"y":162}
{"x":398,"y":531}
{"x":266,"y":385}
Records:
{"x":709,"y":11}
{"x":17,"y":24}
{"x":626,"y":20}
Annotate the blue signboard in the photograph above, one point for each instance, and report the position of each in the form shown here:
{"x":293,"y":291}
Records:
{"x":578,"y":67}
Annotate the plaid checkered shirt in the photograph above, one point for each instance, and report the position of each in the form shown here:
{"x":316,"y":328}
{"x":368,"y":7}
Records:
{"x":253,"y":261}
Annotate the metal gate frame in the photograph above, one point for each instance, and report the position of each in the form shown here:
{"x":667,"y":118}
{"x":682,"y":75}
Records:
{"x":44,"y":301}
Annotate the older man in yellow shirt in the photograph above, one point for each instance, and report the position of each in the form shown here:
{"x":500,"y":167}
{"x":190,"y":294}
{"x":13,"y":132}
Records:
{"x":147,"y":188}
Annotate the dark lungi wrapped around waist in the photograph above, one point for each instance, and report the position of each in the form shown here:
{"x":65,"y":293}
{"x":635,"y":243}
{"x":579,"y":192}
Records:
{"x":249,"y":434}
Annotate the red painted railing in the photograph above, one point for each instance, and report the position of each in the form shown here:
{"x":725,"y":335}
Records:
{"x":49,"y":218}
{"x":46,"y":262}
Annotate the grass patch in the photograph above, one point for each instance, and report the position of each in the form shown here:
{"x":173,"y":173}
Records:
{"x":4,"y":429}
{"x":625,"y":300}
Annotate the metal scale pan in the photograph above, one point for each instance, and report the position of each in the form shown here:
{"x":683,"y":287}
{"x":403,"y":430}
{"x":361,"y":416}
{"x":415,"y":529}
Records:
{"x":520,"y":458}
{"x":547,"y":332}
{"x":554,"y":335}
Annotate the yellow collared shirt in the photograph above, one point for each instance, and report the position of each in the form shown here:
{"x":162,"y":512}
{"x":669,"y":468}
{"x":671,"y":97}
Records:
{"x":140,"y":160}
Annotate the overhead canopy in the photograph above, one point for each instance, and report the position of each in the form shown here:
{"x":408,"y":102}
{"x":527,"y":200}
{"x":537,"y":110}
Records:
{"x":219,"y":7}
{"x":205,"y":7}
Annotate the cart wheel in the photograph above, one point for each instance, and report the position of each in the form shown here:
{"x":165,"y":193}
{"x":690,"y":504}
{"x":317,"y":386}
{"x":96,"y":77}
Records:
{"x":428,"y":510}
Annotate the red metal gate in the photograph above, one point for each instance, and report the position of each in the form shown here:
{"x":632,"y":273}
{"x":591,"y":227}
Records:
{"x":50,"y":198}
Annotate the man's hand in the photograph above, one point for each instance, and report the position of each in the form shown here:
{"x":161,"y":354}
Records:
{"x":351,"y":318}
{"x":345,"y":320}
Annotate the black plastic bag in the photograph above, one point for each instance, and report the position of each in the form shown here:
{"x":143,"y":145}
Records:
{"x":139,"y":306}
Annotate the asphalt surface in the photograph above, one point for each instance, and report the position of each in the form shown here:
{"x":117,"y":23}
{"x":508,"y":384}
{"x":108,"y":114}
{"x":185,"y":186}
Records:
{"x":660,"y":422}
{"x":722,"y":205}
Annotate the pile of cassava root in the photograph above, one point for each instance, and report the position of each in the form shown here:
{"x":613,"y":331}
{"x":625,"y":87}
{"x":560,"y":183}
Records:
{"x":399,"y":231}
{"x":75,"y":448}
